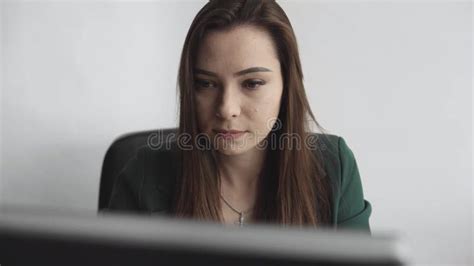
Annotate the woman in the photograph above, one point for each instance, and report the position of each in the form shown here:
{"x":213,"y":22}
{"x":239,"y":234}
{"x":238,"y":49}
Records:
{"x":244,"y":152}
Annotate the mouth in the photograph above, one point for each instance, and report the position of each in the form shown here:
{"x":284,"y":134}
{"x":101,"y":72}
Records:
{"x":229,"y":133}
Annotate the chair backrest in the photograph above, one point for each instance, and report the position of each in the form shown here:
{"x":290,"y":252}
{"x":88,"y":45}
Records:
{"x":118,"y":154}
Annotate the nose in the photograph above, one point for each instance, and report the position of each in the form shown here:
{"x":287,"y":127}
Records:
{"x":228,"y":105}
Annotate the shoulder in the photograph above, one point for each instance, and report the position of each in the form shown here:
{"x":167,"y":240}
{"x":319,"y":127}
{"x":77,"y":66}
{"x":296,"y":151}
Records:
{"x":160,"y":166}
{"x":337,"y":158}
{"x":333,"y":151}
{"x":350,"y":209}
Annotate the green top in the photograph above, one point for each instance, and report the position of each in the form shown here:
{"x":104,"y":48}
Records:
{"x":146,"y":183}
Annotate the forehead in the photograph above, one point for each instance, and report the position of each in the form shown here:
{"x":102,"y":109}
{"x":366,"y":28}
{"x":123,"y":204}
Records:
{"x":237,"y":48}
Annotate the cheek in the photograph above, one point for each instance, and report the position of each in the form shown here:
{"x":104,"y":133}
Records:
{"x":269,"y":106}
{"x":272,"y":111}
{"x":265,"y":114}
{"x":204,"y":112}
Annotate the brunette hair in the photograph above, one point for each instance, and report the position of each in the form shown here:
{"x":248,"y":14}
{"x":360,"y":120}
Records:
{"x":293,"y":188}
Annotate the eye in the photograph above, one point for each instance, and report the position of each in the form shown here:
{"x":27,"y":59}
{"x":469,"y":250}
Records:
{"x":253,"y":84}
{"x":202,"y":83}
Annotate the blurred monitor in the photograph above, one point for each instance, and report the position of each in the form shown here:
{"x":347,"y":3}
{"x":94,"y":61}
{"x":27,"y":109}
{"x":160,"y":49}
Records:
{"x":39,"y":237}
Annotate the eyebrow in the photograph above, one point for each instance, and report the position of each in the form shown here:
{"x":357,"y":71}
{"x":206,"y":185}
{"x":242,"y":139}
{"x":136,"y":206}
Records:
{"x":240,"y":73}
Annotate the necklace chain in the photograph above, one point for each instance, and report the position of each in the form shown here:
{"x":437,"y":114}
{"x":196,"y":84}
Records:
{"x":240,"y":213}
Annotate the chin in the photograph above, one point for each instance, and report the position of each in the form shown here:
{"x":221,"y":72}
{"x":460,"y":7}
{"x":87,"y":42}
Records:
{"x":228,"y":152}
{"x":232,"y":150}
{"x":230,"y":147}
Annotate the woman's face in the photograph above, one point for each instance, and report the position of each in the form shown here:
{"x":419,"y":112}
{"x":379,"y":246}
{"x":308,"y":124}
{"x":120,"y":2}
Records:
{"x":238,"y":87}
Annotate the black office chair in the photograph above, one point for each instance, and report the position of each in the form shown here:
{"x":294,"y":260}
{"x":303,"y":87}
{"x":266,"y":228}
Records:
{"x":118,"y":154}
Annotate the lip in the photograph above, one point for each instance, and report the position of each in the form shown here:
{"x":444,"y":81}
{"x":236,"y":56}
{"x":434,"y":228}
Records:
{"x":232,"y":133}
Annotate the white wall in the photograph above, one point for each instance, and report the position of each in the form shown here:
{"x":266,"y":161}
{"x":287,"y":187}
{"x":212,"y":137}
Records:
{"x":77,"y":76}
{"x":392,"y":78}
{"x":1,"y":93}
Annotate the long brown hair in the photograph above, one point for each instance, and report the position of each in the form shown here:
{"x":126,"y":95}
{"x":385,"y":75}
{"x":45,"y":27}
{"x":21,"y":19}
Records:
{"x":293,"y":188}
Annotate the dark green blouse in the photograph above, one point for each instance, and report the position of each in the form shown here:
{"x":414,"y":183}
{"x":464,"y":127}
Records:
{"x":146,"y":184}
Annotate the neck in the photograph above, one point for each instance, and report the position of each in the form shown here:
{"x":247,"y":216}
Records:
{"x":240,"y":173}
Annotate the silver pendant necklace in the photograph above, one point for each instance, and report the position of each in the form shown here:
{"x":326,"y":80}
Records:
{"x":241,"y":214}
